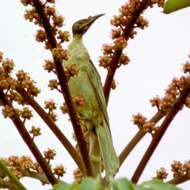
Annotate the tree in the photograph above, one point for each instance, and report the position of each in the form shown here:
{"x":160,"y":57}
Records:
{"x":19,"y":94}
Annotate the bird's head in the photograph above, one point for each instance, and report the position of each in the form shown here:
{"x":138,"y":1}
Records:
{"x":81,"y":26}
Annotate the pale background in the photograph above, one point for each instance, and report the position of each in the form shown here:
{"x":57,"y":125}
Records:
{"x":156,"y":54}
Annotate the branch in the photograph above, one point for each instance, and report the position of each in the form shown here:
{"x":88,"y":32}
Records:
{"x":29,"y":141}
{"x":36,"y":175}
{"x":179,"y":180}
{"x":64,"y":88}
{"x":57,"y":132}
{"x":159,"y":134}
{"x":135,"y":140}
{"x":117,"y":54}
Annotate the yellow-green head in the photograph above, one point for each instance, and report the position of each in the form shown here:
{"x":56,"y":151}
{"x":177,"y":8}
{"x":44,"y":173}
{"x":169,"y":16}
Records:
{"x":81,"y":26}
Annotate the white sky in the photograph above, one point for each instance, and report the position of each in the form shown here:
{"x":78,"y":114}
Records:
{"x":156,"y":54}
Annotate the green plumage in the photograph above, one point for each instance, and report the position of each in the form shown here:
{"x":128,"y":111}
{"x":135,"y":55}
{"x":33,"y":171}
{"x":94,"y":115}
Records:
{"x":93,"y":113}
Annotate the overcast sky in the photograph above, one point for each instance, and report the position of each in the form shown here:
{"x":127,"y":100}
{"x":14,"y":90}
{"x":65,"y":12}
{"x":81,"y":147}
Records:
{"x":156,"y":55}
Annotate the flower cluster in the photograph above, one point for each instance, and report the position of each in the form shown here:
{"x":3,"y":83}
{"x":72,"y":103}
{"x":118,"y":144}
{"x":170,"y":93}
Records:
{"x":26,"y":113}
{"x":150,"y":127}
{"x":173,"y":91}
{"x":64,"y":108}
{"x":6,"y":67}
{"x":125,"y":26}
{"x":60,"y":53}
{"x":139,"y":120}
{"x":15,"y":96}
{"x":78,"y":177}
{"x":8,"y":111}
{"x":142,"y":123}
{"x":71,"y":70}
{"x":180,"y":170}
{"x":54,"y":19}
{"x":27,"y":83}
{"x":35,"y":131}
{"x":171,"y":94}
{"x":53,"y":84}
{"x":51,"y":107}
{"x":49,"y":154}
{"x":59,"y":170}
{"x":78,"y":101}
{"x":161,"y":174}
{"x":49,"y":66}
{"x":10,"y":86}
{"x":186,"y":67}
{"x":21,"y":165}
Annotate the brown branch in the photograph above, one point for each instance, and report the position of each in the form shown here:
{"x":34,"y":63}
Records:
{"x":159,"y":134}
{"x":29,"y":141}
{"x":179,"y":180}
{"x":64,"y":88}
{"x":57,"y":132}
{"x":117,"y":54}
{"x":135,"y":140}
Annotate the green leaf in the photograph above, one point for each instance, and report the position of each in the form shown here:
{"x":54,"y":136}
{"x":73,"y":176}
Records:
{"x":141,"y":188}
{"x":65,"y":186}
{"x":158,"y":185}
{"x":122,"y":184}
{"x":90,"y":184}
{"x":60,"y":186}
{"x":174,"y":5}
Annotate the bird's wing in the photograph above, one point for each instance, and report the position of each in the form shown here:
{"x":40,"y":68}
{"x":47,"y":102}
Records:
{"x":96,"y":84}
{"x":110,"y":159}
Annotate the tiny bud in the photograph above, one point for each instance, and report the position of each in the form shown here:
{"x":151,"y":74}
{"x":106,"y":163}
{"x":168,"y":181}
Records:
{"x":59,"y":170}
{"x":40,"y":36}
{"x":50,"y":154}
{"x":58,"y":21}
{"x":50,"y":105}
{"x":48,"y":66}
{"x":35,"y":131}
{"x":8,"y":111}
{"x":53,"y":84}
{"x":60,"y":53}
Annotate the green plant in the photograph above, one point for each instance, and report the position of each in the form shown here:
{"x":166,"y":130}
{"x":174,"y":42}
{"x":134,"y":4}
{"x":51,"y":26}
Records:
{"x":19,"y":96}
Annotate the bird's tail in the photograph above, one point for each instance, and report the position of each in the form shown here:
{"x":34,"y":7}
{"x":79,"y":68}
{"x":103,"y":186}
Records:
{"x":110,"y":159}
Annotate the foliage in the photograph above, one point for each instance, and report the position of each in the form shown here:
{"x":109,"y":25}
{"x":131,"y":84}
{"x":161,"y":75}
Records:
{"x":119,"y":184}
{"x":19,"y":100}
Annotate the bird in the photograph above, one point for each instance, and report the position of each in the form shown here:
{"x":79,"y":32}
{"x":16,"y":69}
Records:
{"x":87,"y":85}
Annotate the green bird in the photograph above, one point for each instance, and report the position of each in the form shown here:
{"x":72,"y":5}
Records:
{"x":93,"y":113}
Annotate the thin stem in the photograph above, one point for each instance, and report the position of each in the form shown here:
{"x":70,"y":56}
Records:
{"x":159,"y":134}
{"x":117,"y":54}
{"x":138,"y":136}
{"x":40,"y":176}
{"x":29,"y":142}
{"x":179,"y":180}
{"x":12,"y":177}
{"x":64,"y":88}
{"x":57,"y":132}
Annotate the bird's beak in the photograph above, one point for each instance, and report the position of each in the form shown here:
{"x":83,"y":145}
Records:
{"x":91,"y":19}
